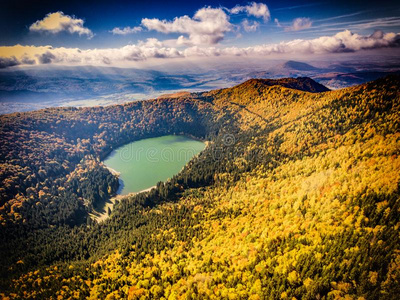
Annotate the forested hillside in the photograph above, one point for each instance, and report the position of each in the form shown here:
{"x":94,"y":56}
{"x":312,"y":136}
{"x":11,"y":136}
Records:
{"x":296,"y":196}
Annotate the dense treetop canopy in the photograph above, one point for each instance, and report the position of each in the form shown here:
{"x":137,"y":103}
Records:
{"x":296,"y":195}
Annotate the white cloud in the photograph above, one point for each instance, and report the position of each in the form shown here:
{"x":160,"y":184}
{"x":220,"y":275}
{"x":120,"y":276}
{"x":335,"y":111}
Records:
{"x":248,"y":27}
{"x":18,"y":55}
{"x":299,"y":24}
{"x":341,"y":42}
{"x":278,"y":24}
{"x":126,"y":30}
{"x":58,"y":22}
{"x":344,"y":41}
{"x":207,"y":27}
{"x":258,"y":10}
{"x":151,"y":42}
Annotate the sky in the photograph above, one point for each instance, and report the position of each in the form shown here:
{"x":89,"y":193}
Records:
{"x":127,"y":33}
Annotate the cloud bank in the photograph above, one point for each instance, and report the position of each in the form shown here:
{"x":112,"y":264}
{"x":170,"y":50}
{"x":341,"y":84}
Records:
{"x":342,"y":42}
{"x":59,"y":22}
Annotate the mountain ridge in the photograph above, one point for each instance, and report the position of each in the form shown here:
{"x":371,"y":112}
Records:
{"x":299,"y":66}
{"x":258,"y":89}
{"x":334,"y":76}
{"x":305,"y":84}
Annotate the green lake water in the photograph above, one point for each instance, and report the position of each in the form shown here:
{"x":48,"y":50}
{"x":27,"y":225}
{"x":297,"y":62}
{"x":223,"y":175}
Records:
{"x":143,"y":163}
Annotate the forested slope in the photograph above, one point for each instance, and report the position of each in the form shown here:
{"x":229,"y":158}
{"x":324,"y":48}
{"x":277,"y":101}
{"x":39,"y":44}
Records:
{"x":297,"y":195}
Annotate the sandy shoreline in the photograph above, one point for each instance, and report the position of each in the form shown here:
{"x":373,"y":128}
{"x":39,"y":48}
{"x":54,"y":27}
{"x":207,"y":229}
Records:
{"x":133,"y":193}
{"x":114,"y":172}
{"x":102,"y":216}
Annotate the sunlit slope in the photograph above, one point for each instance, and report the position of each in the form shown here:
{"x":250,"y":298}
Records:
{"x":304,"y":203}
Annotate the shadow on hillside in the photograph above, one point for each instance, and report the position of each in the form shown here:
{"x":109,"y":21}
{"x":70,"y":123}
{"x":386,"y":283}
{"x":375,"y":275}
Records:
{"x":249,"y":111}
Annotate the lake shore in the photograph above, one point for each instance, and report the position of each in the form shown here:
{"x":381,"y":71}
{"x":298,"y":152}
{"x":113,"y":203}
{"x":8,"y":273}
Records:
{"x":149,"y":167}
{"x":101,"y":215}
{"x":114,"y":172}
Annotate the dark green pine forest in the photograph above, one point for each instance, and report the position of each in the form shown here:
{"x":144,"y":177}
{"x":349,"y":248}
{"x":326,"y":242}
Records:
{"x":296,"y":196}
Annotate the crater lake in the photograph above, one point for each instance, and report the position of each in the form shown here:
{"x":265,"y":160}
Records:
{"x":141,"y":164}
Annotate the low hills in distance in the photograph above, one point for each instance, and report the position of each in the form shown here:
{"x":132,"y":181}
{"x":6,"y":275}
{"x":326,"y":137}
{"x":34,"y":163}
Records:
{"x":334,"y":76}
{"x":305,"y":84}
{"x":291,"y":68}
{"x":27,"y":89}
{"x":295,"y":196}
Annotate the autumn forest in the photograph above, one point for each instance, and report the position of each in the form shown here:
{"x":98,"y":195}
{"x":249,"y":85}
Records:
{"x":296,"y":196}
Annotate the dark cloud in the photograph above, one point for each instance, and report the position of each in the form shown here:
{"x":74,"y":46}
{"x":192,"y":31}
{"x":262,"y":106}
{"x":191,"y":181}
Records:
{"x":46,"y":58}
{"x":6,"y":62}
{"x":27,"y":61}
{"x":378,"y":34}
{"x":106,"y":60}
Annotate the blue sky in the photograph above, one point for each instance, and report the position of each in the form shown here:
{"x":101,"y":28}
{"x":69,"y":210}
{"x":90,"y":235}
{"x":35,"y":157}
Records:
{"x":179,"y":29}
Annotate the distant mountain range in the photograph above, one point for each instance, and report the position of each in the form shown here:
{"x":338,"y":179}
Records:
{"x":305,"y":84}
{"x":89,"y":81}
{"x":40,"y":87}
{"x":35,"y":88}
{"x":335,"y":76}
{"x":292,"y":68}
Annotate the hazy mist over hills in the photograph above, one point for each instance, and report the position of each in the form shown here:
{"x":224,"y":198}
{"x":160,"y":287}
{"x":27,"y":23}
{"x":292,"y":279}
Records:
{"x":27,"y":89}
